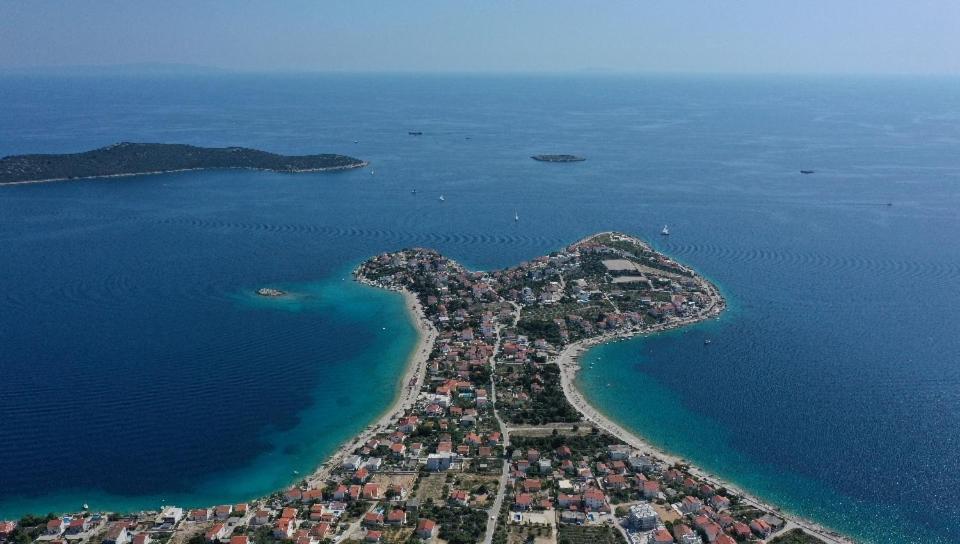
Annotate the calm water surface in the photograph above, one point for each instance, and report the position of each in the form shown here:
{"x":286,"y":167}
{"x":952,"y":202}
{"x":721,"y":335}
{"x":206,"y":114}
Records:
{"x":138,"y":367}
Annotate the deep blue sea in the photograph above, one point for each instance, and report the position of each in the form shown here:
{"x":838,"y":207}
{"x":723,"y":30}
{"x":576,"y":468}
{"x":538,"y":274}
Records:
{"x":137,"y":366}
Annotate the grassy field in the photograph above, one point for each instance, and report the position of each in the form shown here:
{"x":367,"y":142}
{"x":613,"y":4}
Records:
{"x":431,"y":487}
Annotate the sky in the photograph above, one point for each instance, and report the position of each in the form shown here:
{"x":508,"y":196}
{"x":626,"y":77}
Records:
{"x":652,"y":36}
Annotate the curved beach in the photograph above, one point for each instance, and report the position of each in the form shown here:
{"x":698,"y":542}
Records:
{"x":569,"y":362}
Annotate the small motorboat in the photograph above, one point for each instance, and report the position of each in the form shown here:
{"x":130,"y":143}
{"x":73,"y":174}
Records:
{"x":806,"y":171}
{"x":665,"y":231}
{"x":441,"y":198}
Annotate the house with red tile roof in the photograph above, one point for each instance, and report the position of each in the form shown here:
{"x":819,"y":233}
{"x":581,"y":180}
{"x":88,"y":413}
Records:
{"x":616,"y":481}
{"x":371,"y":491}
{"x":55,"y":526}
{"x":283,"y":528}
{"x":690,"y":505}
{"x":661,"y":536}
{"x":373,"y":519}
{"x":523,"y":501}
{"x":594,"y":499}
{"x":215,"y":533}
{"x":426,"y":529}
{"x":373,"y":536}
{"x":396,"y":516}
{"x":240,"y":539}
{"x":460,"y":496}
{"x":761,"y":528}
{"x":723,"y":538}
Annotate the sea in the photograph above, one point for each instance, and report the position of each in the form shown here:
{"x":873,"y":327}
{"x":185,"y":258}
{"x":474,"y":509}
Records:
{"x":138,"y":367}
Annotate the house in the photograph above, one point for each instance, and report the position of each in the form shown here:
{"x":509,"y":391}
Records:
{"x":616,"y":481}
{"x":531,"y":485}
{"x":761,"y":528}
{"x":741,"y":530}
{"x":171,"y":515}
{"x":292,"y":494}
{"x":223,"y":511}
{"x":283,"y":528}
{"x":460,"y":496}
{"x":650,"y":489}
{"x":373,"y":536}
{"x":690,"y":505}
{"x":618,"y":451}
{"x":711,"y":530}
{"x":352,"y":462}
{"x":660,"y":537}
{"x":240,"y":539}
{"x":55,"y":527}
{"x":684,"y":534}
{"x":260,"y":517}
{"x":440,"y":461}
{"x":371,"y":491}
{"x":142,"y":538}
{"x":320,"y":530}
{"x":571,"y":517}
{"x":199,"y":514}
{"x":216,"y":532}
{"x":719,"y":502}
{"x":723,"y":538}
{"x":566,"y":501}
{"x":77,"y":526}
{"x":316,"y":512}
{"x":426,"y":529}
{"x":594,"y":499}
{"x":373,"y":519}
{"x":7,"y":527}
{"x":396,"y":517}
{"x":117,"y":534}
{"x":523,"y":501}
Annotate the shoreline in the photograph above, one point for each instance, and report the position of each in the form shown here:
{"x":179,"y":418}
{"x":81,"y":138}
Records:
{"x":568,"y":362}
{"x":406,"y":393}
{"x":362,"y":164}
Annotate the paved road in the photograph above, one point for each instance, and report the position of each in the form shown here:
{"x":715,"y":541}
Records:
{"x":494,"y":511}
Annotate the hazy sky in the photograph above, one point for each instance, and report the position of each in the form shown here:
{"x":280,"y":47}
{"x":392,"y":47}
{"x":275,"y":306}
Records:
{"x":808,"y":36}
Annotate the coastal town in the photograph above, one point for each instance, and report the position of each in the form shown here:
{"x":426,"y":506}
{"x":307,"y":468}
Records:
{"x":488,"y":440}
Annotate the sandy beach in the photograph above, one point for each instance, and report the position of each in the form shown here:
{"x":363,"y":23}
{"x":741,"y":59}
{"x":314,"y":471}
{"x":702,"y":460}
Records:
{"x":409,"y":386}
{"x":569,"y":362}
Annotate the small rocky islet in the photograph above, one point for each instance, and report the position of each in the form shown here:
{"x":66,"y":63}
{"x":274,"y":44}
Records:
{"x":558,"y":158}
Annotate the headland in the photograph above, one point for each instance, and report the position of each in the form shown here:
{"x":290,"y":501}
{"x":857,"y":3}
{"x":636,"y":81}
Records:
{"x":488,"y":436}
{"x":129,"y":159}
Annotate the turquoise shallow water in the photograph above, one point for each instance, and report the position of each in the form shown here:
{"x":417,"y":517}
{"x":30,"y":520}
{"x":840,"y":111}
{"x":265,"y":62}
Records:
{"x":136,"y":366}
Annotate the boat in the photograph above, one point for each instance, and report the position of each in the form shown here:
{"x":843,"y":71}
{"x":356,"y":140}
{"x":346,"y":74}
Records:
{"x":516,"y":216}
{"x":415,"y":133}
{"x":413,"y":191}
{"x":371,"y":172}
{"x":806,"y":171}
{"x":86,"y":506}
{"x":707,"y":341}
{"x":441,"y":198}
{"x":665,"y":231}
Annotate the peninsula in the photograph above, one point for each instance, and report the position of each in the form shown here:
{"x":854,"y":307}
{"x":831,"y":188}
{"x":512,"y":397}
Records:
{"x":127,"y":159}
{"x":488,"y":440}
{"x":557,"y":158}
